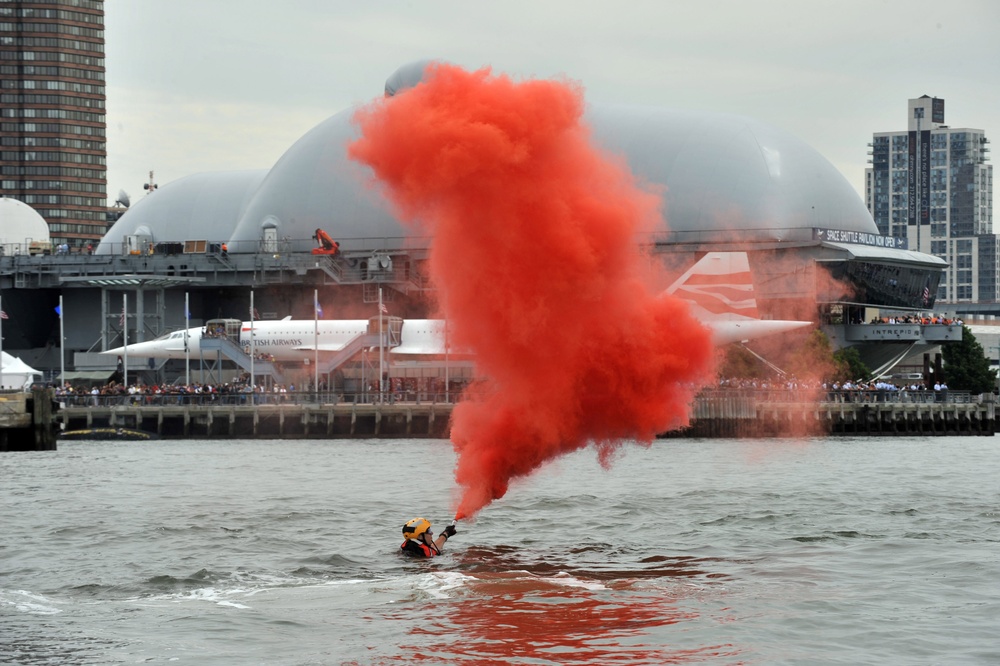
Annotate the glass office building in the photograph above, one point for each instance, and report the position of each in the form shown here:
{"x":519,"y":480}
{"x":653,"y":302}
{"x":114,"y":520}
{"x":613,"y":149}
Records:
{"x":931,"y":184}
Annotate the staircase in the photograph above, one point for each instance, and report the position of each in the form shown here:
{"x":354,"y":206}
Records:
{"x":389,"y":337}
{"x":350,"y":349}
{"x":232,"y":351}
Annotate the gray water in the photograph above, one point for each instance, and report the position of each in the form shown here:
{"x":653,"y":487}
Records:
{"x":828,"y":551}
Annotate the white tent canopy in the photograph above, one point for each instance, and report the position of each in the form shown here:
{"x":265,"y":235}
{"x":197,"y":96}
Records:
{"x":16,"y":373}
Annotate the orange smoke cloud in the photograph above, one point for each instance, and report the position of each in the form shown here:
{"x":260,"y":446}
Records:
{"x":538,"y":271}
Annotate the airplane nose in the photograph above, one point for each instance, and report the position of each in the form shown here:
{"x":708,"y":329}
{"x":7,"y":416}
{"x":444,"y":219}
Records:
{"x":117,"y":351}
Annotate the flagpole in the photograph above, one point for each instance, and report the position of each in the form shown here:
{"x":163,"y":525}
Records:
{"x":125,"y":337}
{"x":316,"y":341}
{"x":62,"y":345}
{"x":381,"y":348}
{"x":253,"y":349}
{"x":1,"y":344}
{"x":447,"y":363}
{"x":187,"y":346}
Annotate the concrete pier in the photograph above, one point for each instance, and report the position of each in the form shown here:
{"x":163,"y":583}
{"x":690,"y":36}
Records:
{"x":26,"y":421}
{"x":755,"y":414}
{"x":715,"y":414}
{"x":267,"y":421}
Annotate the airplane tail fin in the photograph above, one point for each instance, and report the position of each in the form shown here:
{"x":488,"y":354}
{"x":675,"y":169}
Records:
{"x":720,"y":283}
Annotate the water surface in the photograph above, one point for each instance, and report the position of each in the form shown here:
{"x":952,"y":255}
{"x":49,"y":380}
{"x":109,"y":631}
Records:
{"x":834,"y":551}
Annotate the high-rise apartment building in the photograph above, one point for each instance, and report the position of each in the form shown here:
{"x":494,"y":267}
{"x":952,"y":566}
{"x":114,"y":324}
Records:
{"x":52,"y":115}
{"x":931,"y":185}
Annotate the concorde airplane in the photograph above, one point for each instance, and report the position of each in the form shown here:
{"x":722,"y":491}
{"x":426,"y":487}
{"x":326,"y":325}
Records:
{"x":719,"y":287}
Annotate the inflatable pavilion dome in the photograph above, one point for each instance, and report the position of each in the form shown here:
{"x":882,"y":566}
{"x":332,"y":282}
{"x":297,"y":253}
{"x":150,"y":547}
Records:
{"x":20,"y":223}
{"x":718,"y":172}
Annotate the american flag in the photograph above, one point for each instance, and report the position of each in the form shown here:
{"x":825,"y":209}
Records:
{"x":319,"y":310}
{"x":254,"y":314}
{"x":927,"y":292}
{"x":121,"y":319}
{"x":3,"y":315}
{"x":385,"y":310}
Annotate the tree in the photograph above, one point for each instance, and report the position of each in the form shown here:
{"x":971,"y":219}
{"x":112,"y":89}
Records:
{"x":966,"y":367}
{"x":738,"y":363}
{"x":810,"y":356}
{"x":850,"y":366}
{"x":813,"y":358}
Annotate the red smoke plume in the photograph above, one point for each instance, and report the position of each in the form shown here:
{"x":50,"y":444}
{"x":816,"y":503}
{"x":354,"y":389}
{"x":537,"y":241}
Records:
{"x":538,"y":271}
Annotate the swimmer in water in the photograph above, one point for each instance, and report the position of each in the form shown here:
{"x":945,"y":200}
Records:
{"x":419,"y":538}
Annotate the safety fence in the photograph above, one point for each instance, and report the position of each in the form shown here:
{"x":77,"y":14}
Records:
{"x":389,"y":397}
{"x":260,"y":398}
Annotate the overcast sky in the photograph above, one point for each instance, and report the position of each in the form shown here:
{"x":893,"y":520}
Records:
{"x":207,"y":85}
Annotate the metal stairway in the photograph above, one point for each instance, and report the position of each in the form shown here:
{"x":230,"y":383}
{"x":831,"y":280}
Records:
{"x":349,"y":351}
{"x":390,"y":337}
{"x":224,"y":347}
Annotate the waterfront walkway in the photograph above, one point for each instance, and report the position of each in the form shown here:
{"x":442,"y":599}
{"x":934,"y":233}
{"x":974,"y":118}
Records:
{"x":715,"y":413}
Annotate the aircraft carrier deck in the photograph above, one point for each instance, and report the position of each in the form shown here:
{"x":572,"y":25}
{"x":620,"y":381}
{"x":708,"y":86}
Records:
{"x":142,"y":292}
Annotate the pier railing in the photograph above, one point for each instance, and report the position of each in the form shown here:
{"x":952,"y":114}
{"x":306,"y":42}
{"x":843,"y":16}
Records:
{"x":250,"y":399}
{"x":715,"y":413}
{"x":901,"y":396}
{"x":756,"y":396}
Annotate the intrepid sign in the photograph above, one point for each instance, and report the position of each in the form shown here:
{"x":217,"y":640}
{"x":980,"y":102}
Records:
{"x":859,"y":238}
{"x":887,"y":332}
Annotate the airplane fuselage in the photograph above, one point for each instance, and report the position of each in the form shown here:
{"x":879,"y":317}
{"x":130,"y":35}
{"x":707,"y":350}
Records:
{"x":291,"y":340}
{"x":719,"y":287}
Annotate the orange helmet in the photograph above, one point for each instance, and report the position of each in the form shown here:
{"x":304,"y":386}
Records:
{"x":416,"y":527}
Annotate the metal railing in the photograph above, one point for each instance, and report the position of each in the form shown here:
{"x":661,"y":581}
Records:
{"x":904,"y":396}
{"x":220,"y":399}
{"x":807,"y":395}
{"x":175,"y":398}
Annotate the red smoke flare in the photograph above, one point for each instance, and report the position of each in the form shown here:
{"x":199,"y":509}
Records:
{"x":538,"y":271}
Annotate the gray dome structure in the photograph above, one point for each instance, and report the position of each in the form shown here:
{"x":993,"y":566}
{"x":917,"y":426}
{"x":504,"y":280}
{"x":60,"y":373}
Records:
{"x":203,"y":206}
{"x":315,"y":186}
{"x":406,"y":76}
{"x":719,"y":173}
{"x":727,"y":172}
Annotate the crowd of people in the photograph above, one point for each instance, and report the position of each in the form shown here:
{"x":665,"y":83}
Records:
{"x":150,"y":394}
{"x":925,"y":320}
{"x":397,"y":389}
{"x":239,"y":391}
{"x":875,"y":390}
{"x":214,"y":332}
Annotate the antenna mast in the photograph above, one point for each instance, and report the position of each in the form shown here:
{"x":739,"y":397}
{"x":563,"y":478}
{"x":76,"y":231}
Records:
{"x":151,"y":185}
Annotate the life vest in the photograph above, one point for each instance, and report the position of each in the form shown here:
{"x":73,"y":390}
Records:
{"x":418,"y":549}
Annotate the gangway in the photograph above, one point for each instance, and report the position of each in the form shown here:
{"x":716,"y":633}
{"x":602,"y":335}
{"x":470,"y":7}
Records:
{"x":220,"y":337}
{"x":350,"y":350}
{"x":387,"y":336}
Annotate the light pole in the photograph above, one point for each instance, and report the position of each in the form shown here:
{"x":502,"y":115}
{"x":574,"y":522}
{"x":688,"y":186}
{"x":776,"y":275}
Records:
{"x":997,"y":371}
{"x":187,"y":345}
{"x":62,"y":345}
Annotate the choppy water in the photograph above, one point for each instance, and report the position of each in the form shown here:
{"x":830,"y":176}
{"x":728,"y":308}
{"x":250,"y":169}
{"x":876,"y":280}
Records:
{"x":833,"y":551}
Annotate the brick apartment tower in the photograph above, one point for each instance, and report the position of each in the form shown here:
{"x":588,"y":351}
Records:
{"x":52,"y":114}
